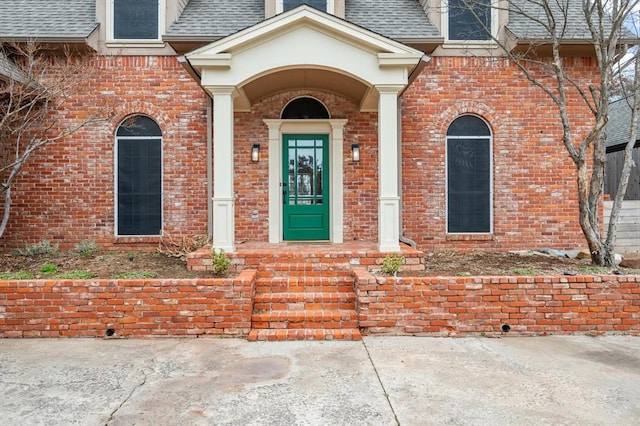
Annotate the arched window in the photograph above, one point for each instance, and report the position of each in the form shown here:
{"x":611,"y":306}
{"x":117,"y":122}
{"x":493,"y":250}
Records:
{"x":305,"y":108}
{"x":138,"y":177}
{"x":469,"y":200}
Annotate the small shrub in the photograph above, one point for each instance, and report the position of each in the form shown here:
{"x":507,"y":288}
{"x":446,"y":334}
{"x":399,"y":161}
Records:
{"x":37,"y":249}
{"x":76,"y":274}
{"x":131,"y":256}
{"x":221,"y":263}
{"x":391,"y":264}
{"x":87,"y":248}
{"x":135,"y":275}
{"x":48,"y":268}
{"x":14,"y":276}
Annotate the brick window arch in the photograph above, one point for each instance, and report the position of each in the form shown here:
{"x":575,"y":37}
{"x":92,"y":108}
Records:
{"x":138,"y":177}
{"x":469,"y":176}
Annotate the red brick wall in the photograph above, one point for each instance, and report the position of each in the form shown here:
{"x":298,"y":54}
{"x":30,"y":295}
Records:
{"x":456,"y":306}
{"x":534,"y":189}
{"x":131,"y":308}
{"x":449,"y":306}
{"x":66,"y":192}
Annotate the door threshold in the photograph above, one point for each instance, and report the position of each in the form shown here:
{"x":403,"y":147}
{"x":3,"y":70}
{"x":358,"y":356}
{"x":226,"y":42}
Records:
{"x":297,"y":242}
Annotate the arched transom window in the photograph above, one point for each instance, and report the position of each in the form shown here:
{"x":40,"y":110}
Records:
{"x":305,"y":108}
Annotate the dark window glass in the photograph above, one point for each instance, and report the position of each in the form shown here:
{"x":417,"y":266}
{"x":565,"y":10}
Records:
{"x":469,"y":19}
{"x":468,"y":125}
{"x":468,"y":178}
{"x":139,"y":177}
{"x":291,"y":4}
{"x":305,"y":108}
{"x":135,"y":20}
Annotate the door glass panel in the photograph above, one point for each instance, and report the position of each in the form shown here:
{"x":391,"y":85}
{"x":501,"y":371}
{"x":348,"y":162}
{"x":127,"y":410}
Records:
{"x":305,"y":172}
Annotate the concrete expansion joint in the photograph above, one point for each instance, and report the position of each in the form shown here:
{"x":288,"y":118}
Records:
{"x":127,"y":398}
{"x":384,"y":391}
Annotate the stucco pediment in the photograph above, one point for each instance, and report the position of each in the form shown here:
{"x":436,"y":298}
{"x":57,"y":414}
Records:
{"x":304,"y":48}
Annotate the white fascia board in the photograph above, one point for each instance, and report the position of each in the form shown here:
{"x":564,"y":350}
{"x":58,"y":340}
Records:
{"x":399,"y":59}
{"x":219,"y":60}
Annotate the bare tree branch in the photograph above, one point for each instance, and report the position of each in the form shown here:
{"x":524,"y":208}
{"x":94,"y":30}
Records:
{"x":35,"y":85}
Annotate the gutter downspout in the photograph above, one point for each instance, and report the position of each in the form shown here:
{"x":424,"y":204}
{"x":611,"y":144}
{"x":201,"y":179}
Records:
{"x":193,"y":73}
{"x":412,"y":76}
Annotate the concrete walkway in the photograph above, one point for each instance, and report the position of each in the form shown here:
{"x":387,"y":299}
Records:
{"x":379,"y":381}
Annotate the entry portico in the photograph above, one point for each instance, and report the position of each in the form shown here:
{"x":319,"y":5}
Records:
{"x":305,"y":49}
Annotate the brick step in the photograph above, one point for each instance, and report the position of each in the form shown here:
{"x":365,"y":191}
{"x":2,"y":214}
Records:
{"x":304,"y":334}
{"x":298,"y":301}
{"x":304,"y":284}
{"x":312,"y":319}
{"x":302,"y":269}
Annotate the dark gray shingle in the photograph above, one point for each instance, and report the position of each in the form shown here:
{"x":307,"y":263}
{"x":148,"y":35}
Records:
{"x":618,"y":128}
{"x":527,"y":19}
{"x":217,"y":18}
{"x":47,"y":18}
{"x":392,"y":18}
{"x":397,"y":19}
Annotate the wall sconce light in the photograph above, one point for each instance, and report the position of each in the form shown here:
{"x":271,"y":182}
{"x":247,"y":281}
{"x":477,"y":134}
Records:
{"x":255,"y":153}
{"x":355,"y":153}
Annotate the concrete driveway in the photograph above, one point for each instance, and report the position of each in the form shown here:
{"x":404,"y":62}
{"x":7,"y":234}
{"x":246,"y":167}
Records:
{"x":380,"y":381}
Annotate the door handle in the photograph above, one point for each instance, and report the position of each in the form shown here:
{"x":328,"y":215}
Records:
{"x":284,"y":192}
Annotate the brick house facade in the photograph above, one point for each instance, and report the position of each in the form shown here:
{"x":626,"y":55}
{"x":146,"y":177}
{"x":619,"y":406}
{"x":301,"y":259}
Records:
{"x":217,"y":94}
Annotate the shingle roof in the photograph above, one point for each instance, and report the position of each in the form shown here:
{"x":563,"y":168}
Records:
{"x":397,"y":19}
{"x":392,"y":18}
{"x":217,"y":18}
{"x":9,"y":71}
{"x":618,"y":128}
{"x":570,"y":20}
{"x":47,"y":19}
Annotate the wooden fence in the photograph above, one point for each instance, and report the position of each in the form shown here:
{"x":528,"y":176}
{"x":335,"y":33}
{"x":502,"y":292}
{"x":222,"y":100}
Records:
{"x":628,"y":229}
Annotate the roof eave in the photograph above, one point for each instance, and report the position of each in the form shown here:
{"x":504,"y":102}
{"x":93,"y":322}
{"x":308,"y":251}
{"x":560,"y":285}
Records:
{"x":424,"y":44}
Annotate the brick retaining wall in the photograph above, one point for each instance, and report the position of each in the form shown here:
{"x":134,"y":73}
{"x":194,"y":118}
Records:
{"x":132,"y":308}
{"x":455,"y":306}
{"x":442,"y":306}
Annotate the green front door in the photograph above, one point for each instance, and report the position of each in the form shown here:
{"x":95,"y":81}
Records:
{"x":306,"y":187}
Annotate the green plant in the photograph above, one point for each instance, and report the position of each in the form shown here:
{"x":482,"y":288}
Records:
{"x":220,"y":263}
{"x":76,"y":274}
{"x":135,"y":275}
{"x":131,"y":256}
{"x":37,"y":249}
{"x":48,"y":268}
{"x":87,"y":248}
{"x":524,"y":271}
{"x":595,"y":270}
{"x":464,"y":274}
{"x":391,"y":263}
{"x":20,"y":275}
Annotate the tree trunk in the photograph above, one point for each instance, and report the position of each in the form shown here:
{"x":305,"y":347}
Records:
{"x":7,"y":210}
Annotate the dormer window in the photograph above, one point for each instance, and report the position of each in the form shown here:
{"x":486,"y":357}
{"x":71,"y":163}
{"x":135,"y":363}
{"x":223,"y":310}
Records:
{"x":470,"y":20}
{"x":323,"y":5}
{"x":140,"y":20}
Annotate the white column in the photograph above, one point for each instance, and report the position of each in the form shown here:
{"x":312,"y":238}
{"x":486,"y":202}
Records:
{"x":223,"y":193}
{"x":275,"y":181}
{"x":336,"y":182}
{"x":389,"y":199}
